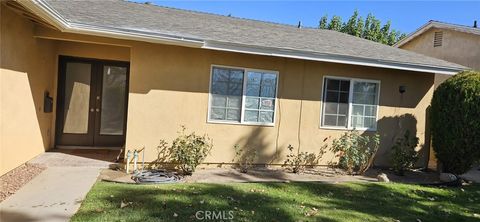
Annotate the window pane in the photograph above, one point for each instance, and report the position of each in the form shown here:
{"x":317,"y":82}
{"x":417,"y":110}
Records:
{"x":343,"y":108}
{"x":370,"y":110}
{"x":365,"y":87}
{"x":369,"y":122}
{"x":254,"y":78}
{"x":268,"y":104}
{"x":252,"y":102}
{"x":227,"y":90}
{"x":217,"y":114}
{"x":361,"y":98}
{"x":336,"y":102}
{"x":253,"y":90}
{"x":77,"y":98}
{"x":342,"y":121}
{"x":220,"y":74}
{"x":357,"y":122}
{"x":113,"y":102}
{"x":218,"y":100}
{"x":235,"y":89}
{"x":266,"y":117}
{"x":233,"y":114}
{"x":234,"y":102}
{"x":329,"y":120}
{"x":357,"y":110}
{"x":260,"y":91}
{"x":219,"y":88}
{"x":267,"y":91}
{"x":236,"y":76}
{"x":251,"y":116}
{"x":268,"y":87}
{"x":332,"y":97}
{"x":333,"y":84}
{"x":345,"y":86}
{"x":331,"y":108}
{"x":343,"y":98}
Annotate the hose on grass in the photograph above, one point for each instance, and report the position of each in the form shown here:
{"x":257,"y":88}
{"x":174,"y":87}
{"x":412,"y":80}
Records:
{"x":155,"y":176}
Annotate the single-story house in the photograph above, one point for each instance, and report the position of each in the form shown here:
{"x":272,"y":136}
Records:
{"x":120,"y":74}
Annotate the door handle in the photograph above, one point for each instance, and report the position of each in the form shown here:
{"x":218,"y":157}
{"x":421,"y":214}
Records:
{"x":98,"y":110}
{"x":91,"y":110}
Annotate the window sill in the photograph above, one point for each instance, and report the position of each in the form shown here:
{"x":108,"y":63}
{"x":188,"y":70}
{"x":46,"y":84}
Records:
{"x":348,"y":129}
{"x":241,"y":124}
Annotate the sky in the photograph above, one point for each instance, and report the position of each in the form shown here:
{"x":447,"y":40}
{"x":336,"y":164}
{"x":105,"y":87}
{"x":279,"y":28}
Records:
{"x":406,"y":16}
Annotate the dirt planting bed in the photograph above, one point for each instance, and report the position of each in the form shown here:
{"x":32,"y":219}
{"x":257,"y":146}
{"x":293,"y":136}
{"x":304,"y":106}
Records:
{"x":16,"y":178}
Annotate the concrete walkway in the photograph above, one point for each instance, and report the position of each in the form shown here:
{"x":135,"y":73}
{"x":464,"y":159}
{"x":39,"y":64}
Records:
{"x":57,"y":192}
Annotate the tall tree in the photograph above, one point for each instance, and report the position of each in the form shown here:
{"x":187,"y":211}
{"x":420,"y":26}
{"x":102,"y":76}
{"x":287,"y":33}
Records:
{"x":323,"y":22}
{"x":371,"y":28}
{"x":335,"y":23}
{"x":351,"y":25}
{"x":359,"y":27}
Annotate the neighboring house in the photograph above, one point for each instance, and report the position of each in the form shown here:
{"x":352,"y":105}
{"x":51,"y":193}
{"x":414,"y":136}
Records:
{"x":130,"y":74}
{"x":454,"y":43}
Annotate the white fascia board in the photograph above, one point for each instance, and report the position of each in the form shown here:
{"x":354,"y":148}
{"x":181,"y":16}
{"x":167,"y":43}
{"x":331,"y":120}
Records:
{"x":286,"y":53}
{"x":135,"y":35}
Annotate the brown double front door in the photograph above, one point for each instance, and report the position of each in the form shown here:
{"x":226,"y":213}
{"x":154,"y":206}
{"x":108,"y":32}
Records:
{"x":91,"y":102}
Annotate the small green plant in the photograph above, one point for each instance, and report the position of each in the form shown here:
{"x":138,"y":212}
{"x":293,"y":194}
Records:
{"x":355,"y":152}
{"x":403,"y":154}
{"x":297,"y":161}
{"x":244,"y":157}
{"x":189,"y":150}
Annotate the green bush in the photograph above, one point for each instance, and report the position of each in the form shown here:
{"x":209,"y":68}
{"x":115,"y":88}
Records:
{"x":403,"y":154}
{"x":244,"y":157}
{"x":297,"y":161}
{"x":355,"y":151}
{"x":189,"y":150}
{"x":455,"y":122}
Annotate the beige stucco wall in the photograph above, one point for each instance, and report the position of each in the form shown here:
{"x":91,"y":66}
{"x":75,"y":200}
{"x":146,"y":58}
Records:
{"x":169,"y":88}
{"x":27,"y":69}
{"x":458,"y":47}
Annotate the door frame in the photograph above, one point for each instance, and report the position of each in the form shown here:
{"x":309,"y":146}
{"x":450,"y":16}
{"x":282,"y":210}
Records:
{"x":93,"y":128}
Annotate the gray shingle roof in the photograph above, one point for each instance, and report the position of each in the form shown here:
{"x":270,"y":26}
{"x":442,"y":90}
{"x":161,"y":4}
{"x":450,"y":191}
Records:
{"x":210,"y":27}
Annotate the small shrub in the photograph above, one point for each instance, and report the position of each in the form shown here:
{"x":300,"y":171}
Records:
{"x":403,"y":154}
{"x":355,"y":152}
{"x":244,"y":157}
{"x":189,"y":150}
{"x":297,"y":161}
{"x":455,"y":122}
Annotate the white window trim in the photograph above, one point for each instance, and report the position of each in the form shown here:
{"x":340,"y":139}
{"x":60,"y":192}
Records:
{"x":350,"y":98}
{"x":244,"y":88}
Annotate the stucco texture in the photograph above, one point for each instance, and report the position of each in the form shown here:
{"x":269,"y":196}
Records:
{"x":458,"y":47}
{"x":27,"y":67}
{"x":169,"y":87}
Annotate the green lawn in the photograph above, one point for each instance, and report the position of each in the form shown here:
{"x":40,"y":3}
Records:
{"x":281,"y":202}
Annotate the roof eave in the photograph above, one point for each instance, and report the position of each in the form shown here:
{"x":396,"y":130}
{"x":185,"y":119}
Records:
{"x":296,"y":54}
{"x":43,"y":10}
